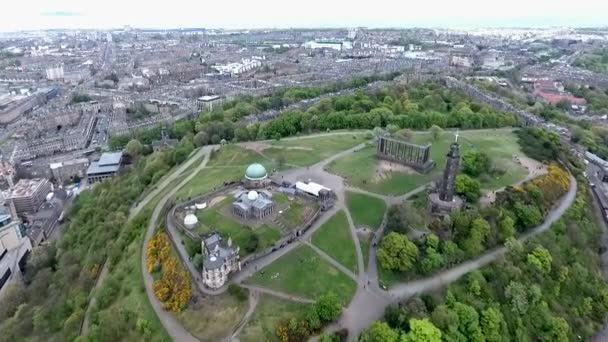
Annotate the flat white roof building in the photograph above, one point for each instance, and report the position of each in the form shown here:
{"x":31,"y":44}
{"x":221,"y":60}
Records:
{"x":311,"y":188}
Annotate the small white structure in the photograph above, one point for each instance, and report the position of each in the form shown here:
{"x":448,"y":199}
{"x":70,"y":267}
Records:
{"x":200,"y":206}
{"x":311,"y":188}
{"x":190,"y":221}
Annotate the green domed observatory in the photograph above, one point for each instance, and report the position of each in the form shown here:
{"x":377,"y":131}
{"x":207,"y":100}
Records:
{"x":256,"y":172}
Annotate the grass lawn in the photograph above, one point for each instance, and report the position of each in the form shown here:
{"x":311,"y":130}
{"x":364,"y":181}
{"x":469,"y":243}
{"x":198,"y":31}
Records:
{"x":389,"y":278}
{"x":268,"y":236}
{"x":302,"y":272}
{"x":334,"y":238}
{"x":211,"y":219}
{"x":208,"y":179}
{"x":365,"y":210}
{"x":500,"y":145}
{"x":311,"y":150}
{"x":361,"y":169}
{"x":294,"y":212}
{"x":213,"y":318}
{"x":269,"y":312}
{"x":234,"y":155}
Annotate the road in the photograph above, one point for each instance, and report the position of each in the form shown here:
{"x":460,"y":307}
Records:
{"x":365,"y":307}
{"x":134,"y":211}
{"x":171,"y":325}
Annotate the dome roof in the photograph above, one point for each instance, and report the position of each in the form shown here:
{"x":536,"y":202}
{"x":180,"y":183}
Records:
{"x":255,"y":172}
{"x":252,"y":195}
{"x":190,"y":220}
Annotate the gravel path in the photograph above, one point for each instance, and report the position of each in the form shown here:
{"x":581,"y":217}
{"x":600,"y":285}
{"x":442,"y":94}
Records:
{"x":171,"y":325}
{"x":365,"y":307}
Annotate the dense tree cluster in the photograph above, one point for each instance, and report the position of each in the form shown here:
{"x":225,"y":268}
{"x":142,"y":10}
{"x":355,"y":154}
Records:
{"x":548,"y":289}
{"x":78,"y":97}
{"x":596,"y":61}
{"x":60,"y":276}
{"x":417,"y":106}
{"x":468,"y":233}
{"x":299,"y":328}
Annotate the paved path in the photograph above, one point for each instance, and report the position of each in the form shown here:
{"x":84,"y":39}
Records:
{"x":254,"y":298}
{"x":364,"y":308}
{"x":171,"y":325}
{"x":279,"y":294}
{"x":134,"y":211}
{"x":332,"y":261}
{"x":87,"y":316}
{"x":390,"y":200}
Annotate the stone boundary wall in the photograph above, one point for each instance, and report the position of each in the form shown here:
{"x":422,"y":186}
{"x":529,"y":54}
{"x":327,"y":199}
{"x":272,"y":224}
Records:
{"x":284,"y":241}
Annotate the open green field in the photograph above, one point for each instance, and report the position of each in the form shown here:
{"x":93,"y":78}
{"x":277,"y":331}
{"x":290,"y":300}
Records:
{"x":234,"y":155}
{"x":500,"y":145}
{"x":211,"y":219}
{"x":269,"y":312}
{"x":363,"y":170}
{"x":302,"y":272}
{"x":365,"y":210}
{"x":213,"y":318}
{"x":334,"y":238}
{"x":311,"y":150}
{"x":208,"y":179}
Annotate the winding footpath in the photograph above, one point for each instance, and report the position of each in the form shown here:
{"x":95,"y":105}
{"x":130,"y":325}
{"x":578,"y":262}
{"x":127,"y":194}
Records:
{"x":173,"y":327}
{"x":369,"y":302}
{"x":365,"y":308}
{"x":134,"y":211}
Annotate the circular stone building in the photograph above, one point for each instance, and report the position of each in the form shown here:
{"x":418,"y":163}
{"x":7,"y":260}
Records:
{"x":190,"y":221}
{"x":255,"y":176}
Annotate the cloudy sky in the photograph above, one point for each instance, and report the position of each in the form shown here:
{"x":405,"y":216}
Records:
{"x":36,"y":14}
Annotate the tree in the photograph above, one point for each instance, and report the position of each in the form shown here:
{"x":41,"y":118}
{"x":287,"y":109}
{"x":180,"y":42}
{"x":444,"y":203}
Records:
{"x":468,"y":319}
{"x":555,"y":330}
{"x":405,"y":134}
{"x":491,"y":325}
{"x":197,"y":260}
{"x":435,"y":131}
{"x":478,"y":233}
{"x":422,"y":330}
{"x":468,"y":187}
{"x":528,"y":215}
{"x":475,"y":163}
{"x":328,"y":307}
{"x":13,"y":297}
{"x":379,"y":332}
{"x":200,"y":139}
{"x":397,"y":252}
{"x":445,"y":318}
{"x":541,"y":259}
{"x":134,"y":148}
{"x":506,"y":228}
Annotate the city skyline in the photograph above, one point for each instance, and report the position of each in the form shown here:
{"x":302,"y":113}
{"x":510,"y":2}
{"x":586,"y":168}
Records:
{"x":469,"y":14}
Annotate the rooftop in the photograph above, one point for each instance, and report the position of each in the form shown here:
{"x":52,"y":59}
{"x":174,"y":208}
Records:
{"x":26,"y":187}
{"x":110,"y":159}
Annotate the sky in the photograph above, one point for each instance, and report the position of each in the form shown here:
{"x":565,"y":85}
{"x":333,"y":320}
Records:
{"x":45,"y":14}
